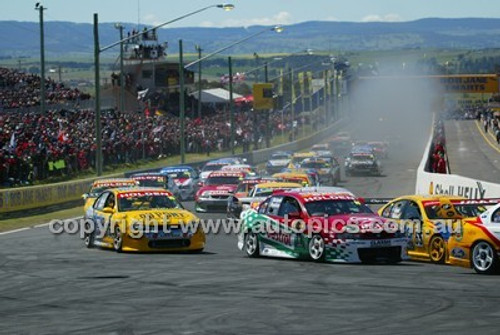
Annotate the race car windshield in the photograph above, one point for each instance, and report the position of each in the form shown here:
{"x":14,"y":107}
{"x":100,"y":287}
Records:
{"x":296,"y":160}
{"x":99,"y":189}
{"x":157,"y":182}
{"x":280,"y":156}
{"x":146,"y":202}
{"x":467,"y":211}
{"x":314,"y":165}
{"x":242,"y":188}
{"x":336,"y":207}
{"x":223,"y":181}
{"x":179,"y":175}
{"x":362,"y":159}
{"x":214,"y":167}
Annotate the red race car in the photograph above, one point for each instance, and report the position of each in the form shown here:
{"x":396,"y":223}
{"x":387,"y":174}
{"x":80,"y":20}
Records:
{"x":218,"y":187}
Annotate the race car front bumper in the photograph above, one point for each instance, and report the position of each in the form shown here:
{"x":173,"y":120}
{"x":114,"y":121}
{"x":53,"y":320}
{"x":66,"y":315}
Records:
{"x":211,"y":205}
{"x":367,"y":251}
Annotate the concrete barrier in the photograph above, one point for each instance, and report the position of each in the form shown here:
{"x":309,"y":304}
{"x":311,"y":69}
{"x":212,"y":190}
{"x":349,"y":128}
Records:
{"x":451,"y":184}
{"x":25,"y":198}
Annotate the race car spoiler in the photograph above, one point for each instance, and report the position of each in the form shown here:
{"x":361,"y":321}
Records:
{"x":480,"y":202}
{"x":375,"y":201}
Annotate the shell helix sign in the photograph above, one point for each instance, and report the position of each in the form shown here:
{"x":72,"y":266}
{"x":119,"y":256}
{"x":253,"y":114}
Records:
{"x":263,"y":96}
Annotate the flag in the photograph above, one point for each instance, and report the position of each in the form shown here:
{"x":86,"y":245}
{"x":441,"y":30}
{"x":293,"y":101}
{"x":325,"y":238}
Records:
{"x":309,"y":89}
{"x":280,"y":82}
{"x":62,"y":136}
{"x":142,"y":94}
{"x":301,"y":83}
{"x":12,"y":143}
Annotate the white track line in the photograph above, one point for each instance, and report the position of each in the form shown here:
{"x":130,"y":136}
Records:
{"x":42,"y":225}
{"x":14,"y":231}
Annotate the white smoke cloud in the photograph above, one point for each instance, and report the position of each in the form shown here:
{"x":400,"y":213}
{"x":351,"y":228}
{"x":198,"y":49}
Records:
{"x":392,"y":17}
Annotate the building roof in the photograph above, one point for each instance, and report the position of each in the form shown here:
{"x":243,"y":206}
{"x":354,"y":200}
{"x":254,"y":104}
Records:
{"x":215,"y":95}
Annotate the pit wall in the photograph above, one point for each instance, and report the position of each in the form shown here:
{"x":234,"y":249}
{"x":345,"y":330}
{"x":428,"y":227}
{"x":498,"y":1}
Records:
{"x":32,"y":197}
{"x":450,"y":184}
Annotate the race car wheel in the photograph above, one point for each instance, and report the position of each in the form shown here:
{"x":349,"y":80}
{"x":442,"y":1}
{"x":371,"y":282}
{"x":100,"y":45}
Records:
{"x":437,"y":250}
{"x":88,"y":239}
{"x":317,"y":248}
{"x":252,"y":244}
{"x":484,"y":258}
{"x":118,"y":240}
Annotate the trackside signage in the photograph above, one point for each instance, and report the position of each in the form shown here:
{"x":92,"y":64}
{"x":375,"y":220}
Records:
{"x":470,"y":83}
{"x":451,"y":184}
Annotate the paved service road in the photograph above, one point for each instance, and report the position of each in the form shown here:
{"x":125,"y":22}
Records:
{"x":470,"y":151}
{"x":52,"y":284}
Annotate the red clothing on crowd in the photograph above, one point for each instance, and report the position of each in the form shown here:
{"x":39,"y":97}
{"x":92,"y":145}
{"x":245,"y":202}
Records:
{"x":441,"y":165}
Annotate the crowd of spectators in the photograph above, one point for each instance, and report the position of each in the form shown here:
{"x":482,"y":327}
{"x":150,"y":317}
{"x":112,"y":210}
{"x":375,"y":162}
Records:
{"x":21,"y":90}
{"x":437,"y":155}
{"x":61,"y":142}
{"x":491,"y":123}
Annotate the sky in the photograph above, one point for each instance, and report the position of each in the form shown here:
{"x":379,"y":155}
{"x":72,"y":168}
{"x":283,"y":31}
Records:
{"x":247,"y":12}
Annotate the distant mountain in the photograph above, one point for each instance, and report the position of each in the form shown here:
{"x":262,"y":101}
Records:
{"x":22,"y":38}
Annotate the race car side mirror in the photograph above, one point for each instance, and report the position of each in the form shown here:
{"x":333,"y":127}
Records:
{"x":108,"y":210}
{"x":85,"y":196}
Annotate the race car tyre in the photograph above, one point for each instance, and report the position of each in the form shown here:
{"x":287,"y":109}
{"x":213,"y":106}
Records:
{"x":317,"y":248}
{"x":252,"y":244}
{"x":484,"y":259}
{"x":437,"y":249}
{"x":88,"y":239}
{"x":118,"y":240}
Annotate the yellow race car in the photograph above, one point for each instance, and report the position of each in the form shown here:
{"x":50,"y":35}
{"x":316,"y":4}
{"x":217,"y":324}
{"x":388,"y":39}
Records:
{"x":298,"y":157}
{"x":142,"y":219}
{"x":477,"y":244}
{"x":429,"y":221}
{"x":294,"y":177}
{"x":103,"y":184}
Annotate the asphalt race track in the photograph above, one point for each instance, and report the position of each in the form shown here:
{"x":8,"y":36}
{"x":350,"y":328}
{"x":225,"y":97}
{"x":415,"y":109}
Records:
{"x":54,"y":285}
{"x":467,"y":146}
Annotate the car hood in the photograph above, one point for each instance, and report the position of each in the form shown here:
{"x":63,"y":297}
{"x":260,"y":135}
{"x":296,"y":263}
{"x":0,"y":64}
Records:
{"x":182,"y":181}
{"x":278,"y":162}
{"x":218,"y":189}
{"x":171,"y":216}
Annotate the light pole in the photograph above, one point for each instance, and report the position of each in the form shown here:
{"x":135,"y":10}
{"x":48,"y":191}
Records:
{"x":122,"y":76}
{"x":40,"y":9}
{"x":98,"y":50}
{"x":277,"y":29}
{"x":198,"y":48}
{"x":231,"y":103}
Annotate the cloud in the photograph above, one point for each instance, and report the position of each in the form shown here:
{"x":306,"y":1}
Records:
{"x":331,"y":18}
{"x":151,"y":19}
{"x":279,"y":18}
{"x":392,"y":17}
